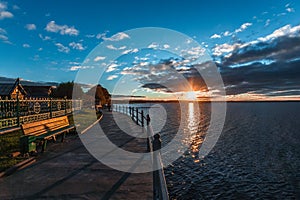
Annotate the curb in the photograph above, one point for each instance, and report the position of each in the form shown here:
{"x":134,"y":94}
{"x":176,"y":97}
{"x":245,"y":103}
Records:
{"x":89,"y":127}
{"x":17,"y":167}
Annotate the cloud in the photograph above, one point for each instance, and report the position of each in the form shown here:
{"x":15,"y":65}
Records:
{"x":290,"y":10}
{"x":3,"y":11}
{"x":30,"y":27}
{"x":227,"y":33}
{"x":62,"y":29}
{"x":90,"y":36}
{"x":215,"y":36}
{"x":267,"y":22}
{"x":112,"y":77}
{"x":26,"y":45}
{"x":267,"y":66}
{"x":44,"y":38}
{"x":243,"y":27}
{"x":116,"y":37}
{"x":98,"y":58}
{"x":3,"y":36}
{"x":78,"y":67}
{"x":112,"y":67}
{"x":153,"y":45}
{"x":135,"y":50}
{"x":62,"y":48}
{"x":112,"y":47}
{"x":283,"y":31}
{"x":101,"y":35}
{"x":166,"y":46}
{"x":261,"y":44}
{"x":77,"y":46}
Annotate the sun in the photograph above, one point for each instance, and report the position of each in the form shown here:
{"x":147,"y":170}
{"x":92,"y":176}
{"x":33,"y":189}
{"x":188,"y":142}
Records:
{"x":191,"y":95}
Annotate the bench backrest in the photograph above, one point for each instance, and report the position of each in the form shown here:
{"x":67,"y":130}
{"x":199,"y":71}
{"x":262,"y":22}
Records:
{"x":45,"y":126}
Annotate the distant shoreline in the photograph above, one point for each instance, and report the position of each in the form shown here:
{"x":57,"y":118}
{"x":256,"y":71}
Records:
{"x":186,"y":101}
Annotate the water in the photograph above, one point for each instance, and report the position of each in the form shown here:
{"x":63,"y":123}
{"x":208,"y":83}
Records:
{"x":256,"y":157}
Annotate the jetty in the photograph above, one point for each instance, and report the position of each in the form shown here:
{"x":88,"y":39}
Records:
{"x":67,"y":170}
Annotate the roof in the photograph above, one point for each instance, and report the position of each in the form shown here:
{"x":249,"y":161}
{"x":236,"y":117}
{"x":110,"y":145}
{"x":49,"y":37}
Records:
{"x":37,"y":91}
{"x":7,"y":88}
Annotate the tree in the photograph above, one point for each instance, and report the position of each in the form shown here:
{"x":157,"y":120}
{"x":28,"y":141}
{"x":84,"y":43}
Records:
{"x":101,"y":95}
{"x":66,"y":90}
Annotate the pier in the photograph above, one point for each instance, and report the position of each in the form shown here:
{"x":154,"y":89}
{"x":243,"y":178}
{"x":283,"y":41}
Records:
{"x":68,"y":170}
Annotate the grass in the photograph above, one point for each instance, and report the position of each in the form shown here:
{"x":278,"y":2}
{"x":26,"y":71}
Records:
{"x":9,"y":143}
{"x":84,"y":119}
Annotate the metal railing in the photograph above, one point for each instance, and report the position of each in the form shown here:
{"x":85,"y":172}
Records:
{"x":137,"y":114}
{"x":13,"y":113}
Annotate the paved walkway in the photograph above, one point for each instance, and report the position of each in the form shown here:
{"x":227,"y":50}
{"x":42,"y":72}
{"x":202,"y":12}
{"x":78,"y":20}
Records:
{"x":69,"y":171}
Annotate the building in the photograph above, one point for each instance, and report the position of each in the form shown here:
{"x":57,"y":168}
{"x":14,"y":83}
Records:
{"x":12,"y":90}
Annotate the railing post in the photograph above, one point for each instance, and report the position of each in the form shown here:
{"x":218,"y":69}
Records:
{"x":65,"y":106}
{"x":50,"y":107}
{"x":132,"y":113}
{"x":148,"y":119}
{"x":18,"y":110}
{"x":137,"y":116}
{"x":142,"y":118}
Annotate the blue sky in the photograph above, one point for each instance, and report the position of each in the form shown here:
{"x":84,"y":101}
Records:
{"x":48,"y":40}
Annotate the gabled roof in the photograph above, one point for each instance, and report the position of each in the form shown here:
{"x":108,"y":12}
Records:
{"x":37,"y":91}
{"x":7,"y":88}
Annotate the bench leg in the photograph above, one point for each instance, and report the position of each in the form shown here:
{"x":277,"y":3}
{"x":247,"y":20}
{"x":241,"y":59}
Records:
{"x":63,"y":135}
{"x":54,"y":138}
{"x":44,"y":146}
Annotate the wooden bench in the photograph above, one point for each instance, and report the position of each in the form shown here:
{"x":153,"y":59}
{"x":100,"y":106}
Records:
{"x":45,"y":130}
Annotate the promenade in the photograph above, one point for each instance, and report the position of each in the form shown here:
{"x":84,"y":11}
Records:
{"x":68,"y":171}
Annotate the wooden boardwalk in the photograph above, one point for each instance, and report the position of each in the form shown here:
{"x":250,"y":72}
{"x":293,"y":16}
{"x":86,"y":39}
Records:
{"x":68,"y":171}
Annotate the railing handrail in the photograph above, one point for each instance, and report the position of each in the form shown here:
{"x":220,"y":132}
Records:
{"x":159,"y":181}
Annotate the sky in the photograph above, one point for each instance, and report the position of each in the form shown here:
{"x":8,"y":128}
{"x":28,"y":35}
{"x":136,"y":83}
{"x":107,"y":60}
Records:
{"x":255,"y":45}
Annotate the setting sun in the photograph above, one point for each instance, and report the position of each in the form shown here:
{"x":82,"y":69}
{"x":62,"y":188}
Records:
{"x":191,"y":95}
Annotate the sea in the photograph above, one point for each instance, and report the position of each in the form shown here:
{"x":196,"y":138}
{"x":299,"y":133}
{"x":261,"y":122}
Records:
{"x":257,"y":155}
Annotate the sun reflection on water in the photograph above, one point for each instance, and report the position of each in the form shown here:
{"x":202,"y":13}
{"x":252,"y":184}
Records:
{"x":193,"y":119}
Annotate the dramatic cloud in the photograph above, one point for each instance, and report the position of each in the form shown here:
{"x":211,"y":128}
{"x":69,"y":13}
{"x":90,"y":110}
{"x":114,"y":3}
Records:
{"x":266,"y":66}
{"x":282,"y":44}
{"x":3,"y":11}
{"x":62,"y":48}
{"x":77,"y":46}
{"x":62,"y":29}
{"x":30,"y":27}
